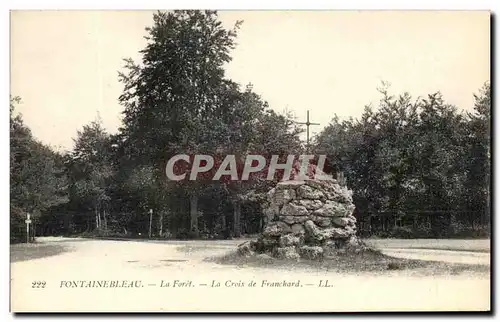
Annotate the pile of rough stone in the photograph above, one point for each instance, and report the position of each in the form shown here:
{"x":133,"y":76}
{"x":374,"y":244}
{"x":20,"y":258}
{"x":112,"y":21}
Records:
{"x":307,"y":219}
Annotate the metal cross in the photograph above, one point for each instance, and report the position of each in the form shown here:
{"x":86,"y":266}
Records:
{"x":308,"y":124}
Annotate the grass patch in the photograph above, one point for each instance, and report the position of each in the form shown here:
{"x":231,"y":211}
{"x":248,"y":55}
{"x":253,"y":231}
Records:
{"x":25,"y":252}
{"x":370,"y":261}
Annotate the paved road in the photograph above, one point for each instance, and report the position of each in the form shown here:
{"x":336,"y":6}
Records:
{"x":156,"y":264}
{"x":476,"y":245}
{"x":473,"y":251}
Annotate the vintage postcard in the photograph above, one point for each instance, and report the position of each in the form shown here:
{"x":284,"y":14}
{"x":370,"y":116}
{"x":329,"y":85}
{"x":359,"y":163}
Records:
{"x":250,"y":161}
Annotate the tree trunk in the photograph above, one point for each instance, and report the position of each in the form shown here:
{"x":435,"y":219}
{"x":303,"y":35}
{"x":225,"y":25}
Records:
{"x":150,"y":230}
{"x":194,"y":213}
{"x":105,"y":220}
{"x":224,"y":226}
{"x":237,"y":217}
{"x":33,"y":230}
{"x":96,"y":218}
{"x":67,"y":223}
{"x":161,"y":224}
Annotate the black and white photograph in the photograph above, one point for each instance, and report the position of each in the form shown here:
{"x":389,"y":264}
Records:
{"x":245,"y":161}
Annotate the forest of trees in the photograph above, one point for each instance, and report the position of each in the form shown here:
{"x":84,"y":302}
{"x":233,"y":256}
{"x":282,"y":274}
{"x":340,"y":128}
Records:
{"x":417,"y":159}
{"x":404,"y":157}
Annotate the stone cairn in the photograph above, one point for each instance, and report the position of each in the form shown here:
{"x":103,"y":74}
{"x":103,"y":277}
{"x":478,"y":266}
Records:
{"x":307,"y":219}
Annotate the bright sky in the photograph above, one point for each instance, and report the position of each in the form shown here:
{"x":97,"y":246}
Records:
{"x":64,"y":64}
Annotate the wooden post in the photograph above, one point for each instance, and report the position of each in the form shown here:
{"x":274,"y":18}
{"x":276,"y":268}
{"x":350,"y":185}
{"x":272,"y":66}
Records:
{"x":28,"y":220}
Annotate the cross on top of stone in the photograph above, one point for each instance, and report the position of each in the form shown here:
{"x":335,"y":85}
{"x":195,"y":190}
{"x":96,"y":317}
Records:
{"x":308,"y":123}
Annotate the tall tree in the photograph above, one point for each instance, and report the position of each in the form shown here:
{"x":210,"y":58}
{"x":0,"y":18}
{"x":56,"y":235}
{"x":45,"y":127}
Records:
{"x":478,"y":161}
{"x":91,"y":172}
{"x":171,"y":97}
{"x":37,"y":178}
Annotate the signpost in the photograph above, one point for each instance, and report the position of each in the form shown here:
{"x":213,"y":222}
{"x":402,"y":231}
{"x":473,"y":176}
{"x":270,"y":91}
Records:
{"x":150,"y":221}
{"x":28,"y":222}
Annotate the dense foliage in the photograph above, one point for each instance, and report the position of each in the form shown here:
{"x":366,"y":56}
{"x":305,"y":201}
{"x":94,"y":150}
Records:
{"x":404,"y":157}
{"x":37,"y":176}
{"x":416,"y":159}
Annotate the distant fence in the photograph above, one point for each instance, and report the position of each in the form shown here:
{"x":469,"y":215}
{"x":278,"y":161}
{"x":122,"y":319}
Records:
{"x":429,"y":224}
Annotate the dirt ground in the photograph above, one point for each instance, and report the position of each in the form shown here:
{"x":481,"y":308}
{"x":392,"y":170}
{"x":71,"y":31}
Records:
{"x":62,"y":274}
